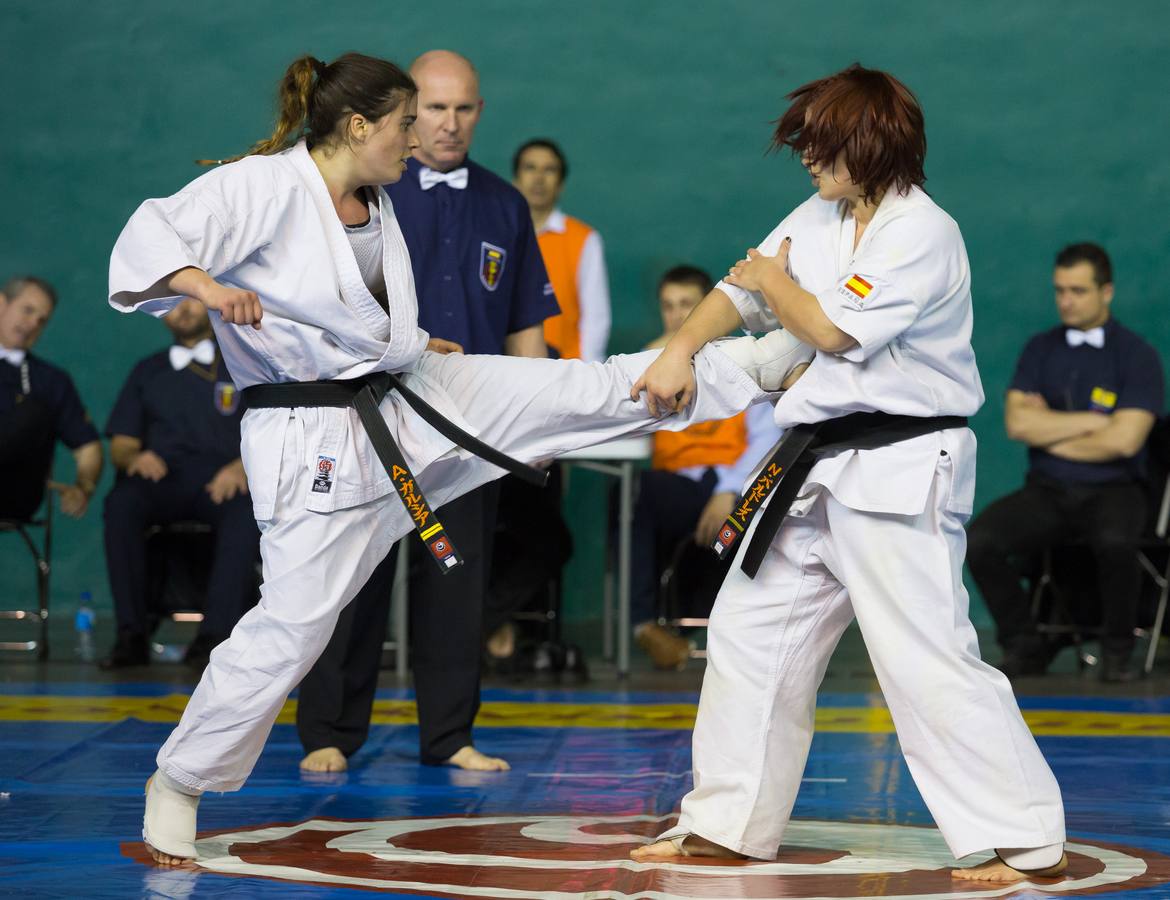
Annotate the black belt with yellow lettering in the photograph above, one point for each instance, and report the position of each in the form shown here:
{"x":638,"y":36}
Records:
{"x":364,"y":395}
{"x":794,"y":456}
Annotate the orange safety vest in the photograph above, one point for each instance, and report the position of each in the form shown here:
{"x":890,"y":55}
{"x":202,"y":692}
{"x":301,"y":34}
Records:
{"x":718,"y":443}
{"x":562,"y":254}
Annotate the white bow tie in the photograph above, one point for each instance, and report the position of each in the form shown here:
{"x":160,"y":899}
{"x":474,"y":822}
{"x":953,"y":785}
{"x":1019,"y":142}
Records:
{"x":16,"y":357}
{"x":1094,"y":337}
{"x":456,"y":178}
{"x":202,"y":353}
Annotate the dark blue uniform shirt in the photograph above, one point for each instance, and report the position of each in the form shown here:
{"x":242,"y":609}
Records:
{"x":191,"y":418}
{"x":53,"y":388}
{"x":477,"y":266}
{"x":1124,"y":374}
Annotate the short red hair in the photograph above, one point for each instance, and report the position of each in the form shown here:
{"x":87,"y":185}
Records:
{"x":868,"y":115}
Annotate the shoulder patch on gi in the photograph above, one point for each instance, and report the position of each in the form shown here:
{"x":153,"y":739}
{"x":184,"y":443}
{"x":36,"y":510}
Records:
{"x":855,"y":289}
{"x":323,"y":474}
{"x":227,"y":398}
{"x":491,"y":264}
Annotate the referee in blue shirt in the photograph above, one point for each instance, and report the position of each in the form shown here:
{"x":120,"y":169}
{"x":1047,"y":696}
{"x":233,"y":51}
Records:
{"x":1084,"y":398}
{"x":482,"y":285}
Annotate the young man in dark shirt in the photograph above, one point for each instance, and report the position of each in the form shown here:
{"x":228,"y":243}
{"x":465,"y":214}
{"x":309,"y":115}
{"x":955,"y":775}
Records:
{"x":1084,"y":398}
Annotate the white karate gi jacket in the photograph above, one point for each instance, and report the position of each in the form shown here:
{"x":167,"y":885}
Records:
{"x":267,"y":224}
{"x":913,"y":355}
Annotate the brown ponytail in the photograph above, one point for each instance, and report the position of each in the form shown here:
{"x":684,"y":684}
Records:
{"x":314,"y":96}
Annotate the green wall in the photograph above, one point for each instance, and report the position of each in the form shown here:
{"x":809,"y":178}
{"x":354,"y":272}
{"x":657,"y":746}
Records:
{"x":1047,"y":122}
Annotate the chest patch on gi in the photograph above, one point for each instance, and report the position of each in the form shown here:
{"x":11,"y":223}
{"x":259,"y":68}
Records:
{"x":491,"y":264}
{"x":323,"y":474}
{"x":227,"y":398}
{"x":856,"y":289}
{"x":1102,"y":400}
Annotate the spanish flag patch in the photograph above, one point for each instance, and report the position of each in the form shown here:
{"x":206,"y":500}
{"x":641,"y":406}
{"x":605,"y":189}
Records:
{"x":858,"y":286}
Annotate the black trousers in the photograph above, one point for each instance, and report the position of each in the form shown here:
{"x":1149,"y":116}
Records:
{"x":666,"y":510}
{"x":1003,"y":541}
{"x":446,"y":634}
{"x":532,"y":545}
{"x":26,"y":451}
{"x":134,"y":504}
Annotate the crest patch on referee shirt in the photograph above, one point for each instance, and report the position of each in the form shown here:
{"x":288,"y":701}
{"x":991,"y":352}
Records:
{"x":227,"y":398}
{"x":491,"y":264}
{"x":856,"y":289}
{"x":1102,"y":400}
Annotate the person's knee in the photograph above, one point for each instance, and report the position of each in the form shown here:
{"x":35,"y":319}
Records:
{"x":127,"y":501}
{"x":984,"y":544}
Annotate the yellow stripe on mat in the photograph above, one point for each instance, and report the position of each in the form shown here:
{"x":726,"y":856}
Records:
{"x":503,"y":714}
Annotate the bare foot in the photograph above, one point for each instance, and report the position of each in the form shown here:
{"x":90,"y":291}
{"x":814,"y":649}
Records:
{"x":164,"y":859}
{"x":996,"y":870}
{"x":502,"y":643}
{"x":471,"y":759}
{"x":677,"y":848}
{"x":327,"y":759}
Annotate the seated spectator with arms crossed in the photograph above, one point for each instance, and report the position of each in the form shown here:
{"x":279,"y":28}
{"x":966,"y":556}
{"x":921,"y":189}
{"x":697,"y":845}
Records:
{"x":175,"y":441}
{"x":1084,"y":398}
{"x":39,"y":406}
{"x":691,"y":488}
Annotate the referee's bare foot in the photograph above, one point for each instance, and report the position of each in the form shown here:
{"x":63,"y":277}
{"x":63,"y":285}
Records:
{"x":471,"y":759}
{"x":997,"y":871}
{"x":327,"y":759}
{"x":676,"y":848}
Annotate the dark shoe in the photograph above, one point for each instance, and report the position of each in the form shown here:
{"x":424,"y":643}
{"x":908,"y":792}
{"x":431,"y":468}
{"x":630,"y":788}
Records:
{"x":129,"y":650}
{"x":1026,"y":658}
{"x":548,"y":661}
{"x":1118,"y":668}
{"x":576,"y":669}
{"x":198,"y":652}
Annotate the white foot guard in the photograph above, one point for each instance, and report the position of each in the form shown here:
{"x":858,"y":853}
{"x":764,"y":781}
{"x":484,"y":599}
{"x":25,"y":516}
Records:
{"x":767,"y":360}
{"x":169,"y":823}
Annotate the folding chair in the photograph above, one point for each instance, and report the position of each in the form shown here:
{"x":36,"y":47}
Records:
{"x":688,"y":586}
{"x":1058,"y":616}
{"x":41,"y":553}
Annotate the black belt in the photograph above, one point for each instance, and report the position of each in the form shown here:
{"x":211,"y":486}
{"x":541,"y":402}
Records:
{"x":364,"y":395}
{"x":794,"y":456}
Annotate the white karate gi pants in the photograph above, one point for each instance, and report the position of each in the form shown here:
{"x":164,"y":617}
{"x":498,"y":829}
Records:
{"x":769,"y":642}
{"x":315,"y":563}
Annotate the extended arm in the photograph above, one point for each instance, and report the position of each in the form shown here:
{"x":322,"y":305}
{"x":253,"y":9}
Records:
{"x":669,"y":382}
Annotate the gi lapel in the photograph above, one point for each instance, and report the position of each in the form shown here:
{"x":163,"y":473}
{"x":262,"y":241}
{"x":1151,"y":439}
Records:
{"x":349,"y":278}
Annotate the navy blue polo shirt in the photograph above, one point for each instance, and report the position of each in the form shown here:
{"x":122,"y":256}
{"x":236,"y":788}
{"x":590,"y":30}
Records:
{"x":477,"y":266}
{"x":54,"y":388}
{"x":1124,"y":374}
{"x":191,"y":418}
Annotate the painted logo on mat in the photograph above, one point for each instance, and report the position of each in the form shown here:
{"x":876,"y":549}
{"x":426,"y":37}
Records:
{"x":531,"y":857}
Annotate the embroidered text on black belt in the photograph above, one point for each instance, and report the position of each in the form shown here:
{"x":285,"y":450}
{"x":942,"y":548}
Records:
{"x":794,"y":456}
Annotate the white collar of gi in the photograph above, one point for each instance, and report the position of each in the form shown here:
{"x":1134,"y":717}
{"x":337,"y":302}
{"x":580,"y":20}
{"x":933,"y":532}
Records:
{"x":14,"y":356}
{"x":202,"y":353}
{"x":1094,"y":337}
{"x":402,"y":326}
{"x":891,"y":203}
{"x":555,"y":222}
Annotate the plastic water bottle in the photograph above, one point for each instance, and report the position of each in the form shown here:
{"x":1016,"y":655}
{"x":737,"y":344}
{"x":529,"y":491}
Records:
{"x":83,"y":623}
